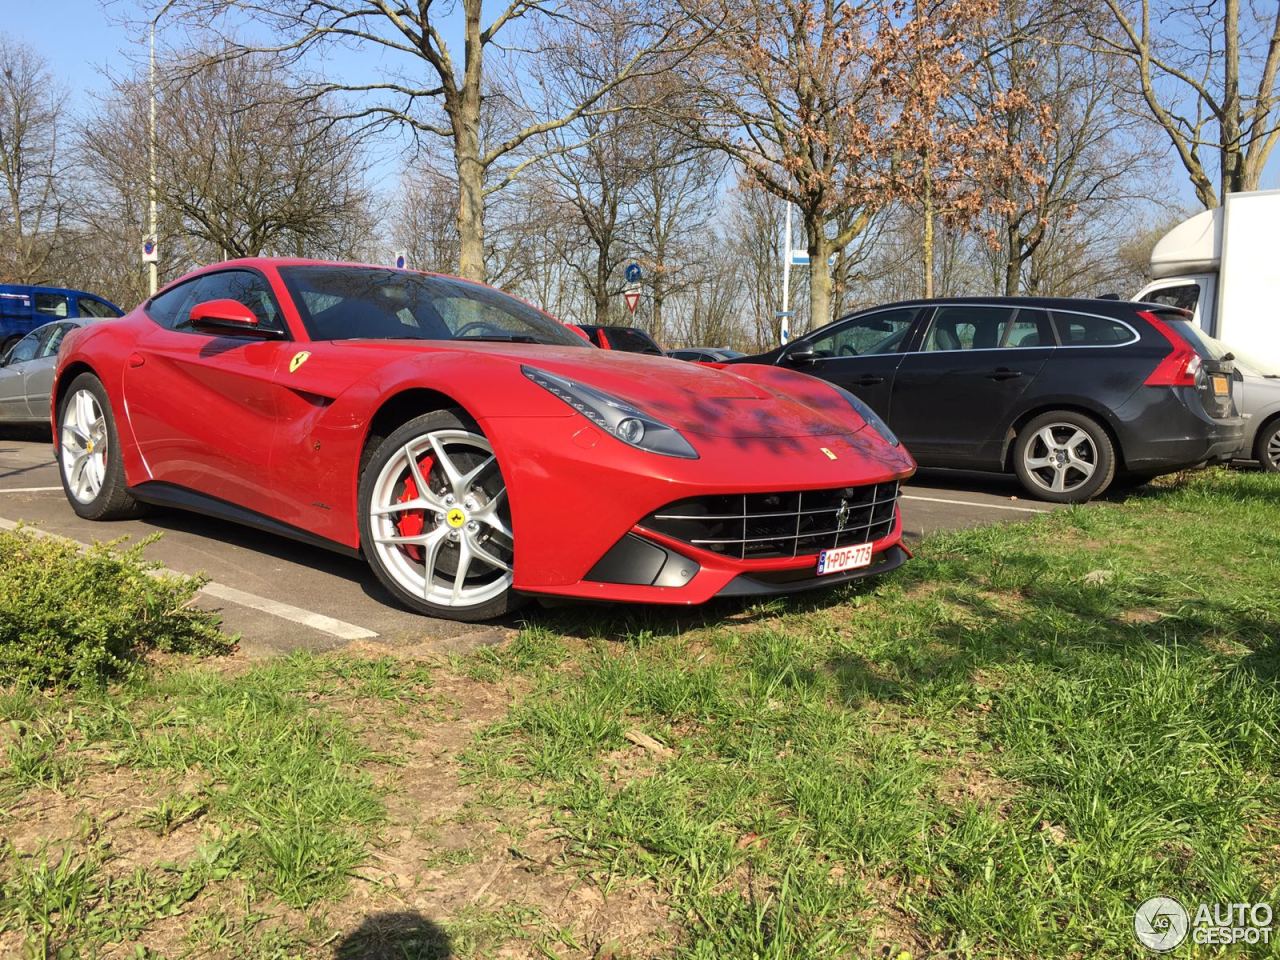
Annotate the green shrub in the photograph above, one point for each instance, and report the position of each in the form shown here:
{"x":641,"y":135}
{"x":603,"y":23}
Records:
{"x":73,"y":618}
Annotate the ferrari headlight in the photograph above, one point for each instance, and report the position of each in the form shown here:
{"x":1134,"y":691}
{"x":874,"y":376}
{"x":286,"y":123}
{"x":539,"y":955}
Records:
{"x":615,"y":416}
{"x":870,"y":416}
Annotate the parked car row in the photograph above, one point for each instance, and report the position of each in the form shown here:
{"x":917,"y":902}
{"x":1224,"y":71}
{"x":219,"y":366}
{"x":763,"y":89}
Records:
{"x":430,"y":424}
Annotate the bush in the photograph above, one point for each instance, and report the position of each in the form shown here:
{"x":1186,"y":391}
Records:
{"x":78,"y":618}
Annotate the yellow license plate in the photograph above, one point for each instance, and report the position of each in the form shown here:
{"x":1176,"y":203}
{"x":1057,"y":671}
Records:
{"x":1221,"y":386}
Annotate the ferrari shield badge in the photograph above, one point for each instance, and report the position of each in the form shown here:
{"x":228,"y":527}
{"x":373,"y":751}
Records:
{"x":298,"y":360}
{"x":830,"y":455}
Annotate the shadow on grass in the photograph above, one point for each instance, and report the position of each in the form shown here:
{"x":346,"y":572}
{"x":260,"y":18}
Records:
{"x":1059,"y":625}
{"x":395,"y":936}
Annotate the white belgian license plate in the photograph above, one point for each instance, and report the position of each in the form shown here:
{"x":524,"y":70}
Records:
{"x":844,"y":558}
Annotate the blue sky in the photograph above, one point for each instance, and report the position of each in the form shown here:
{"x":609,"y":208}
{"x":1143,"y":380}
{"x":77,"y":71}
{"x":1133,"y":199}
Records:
{"x":86,"y":44}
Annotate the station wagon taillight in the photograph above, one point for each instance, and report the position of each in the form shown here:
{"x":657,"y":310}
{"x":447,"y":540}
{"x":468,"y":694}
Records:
{"x":1180,"y":366}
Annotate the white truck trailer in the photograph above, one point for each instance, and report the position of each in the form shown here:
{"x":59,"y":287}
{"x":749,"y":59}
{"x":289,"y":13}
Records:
{"x":1224,"y":266}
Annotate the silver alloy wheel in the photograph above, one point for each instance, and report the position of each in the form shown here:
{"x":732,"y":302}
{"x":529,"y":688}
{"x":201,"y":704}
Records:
{"x":464,"y":553}
{"x":84,"y":446}
{"x":1273,"y":447}
{"x":1060,"y":457}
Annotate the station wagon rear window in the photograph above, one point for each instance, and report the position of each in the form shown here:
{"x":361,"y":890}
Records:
{"x":1084,"y":330}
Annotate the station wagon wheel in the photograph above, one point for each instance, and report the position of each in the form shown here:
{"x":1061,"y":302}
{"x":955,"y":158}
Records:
{"x":1064,"y":457}
{"x":435,"y":521}
{"x":1268,"y":447}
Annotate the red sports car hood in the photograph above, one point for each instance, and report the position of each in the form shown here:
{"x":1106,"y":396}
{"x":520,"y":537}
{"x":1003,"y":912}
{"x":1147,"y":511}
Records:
{"x":739,"y":402}
{"x":701,"y":399}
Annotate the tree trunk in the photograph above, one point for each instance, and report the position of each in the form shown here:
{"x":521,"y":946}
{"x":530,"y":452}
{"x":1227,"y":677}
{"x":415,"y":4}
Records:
{"x":602,"y":287}
{"x":927,"y":243}
{"x":463,"y":107}
{"x":1013,"y":261}
{"x":819,"y":272}
{"x":1232,"y":154}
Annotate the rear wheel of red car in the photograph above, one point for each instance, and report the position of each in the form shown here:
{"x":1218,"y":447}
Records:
{"x":1064,"y":457}
{"x":434,"y":519}
{"x":1268,"y":447}
{"x":89,"y":453}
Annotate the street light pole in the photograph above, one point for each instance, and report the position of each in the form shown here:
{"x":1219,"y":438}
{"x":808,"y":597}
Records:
{"x":152,"y":255}
{"x":152,"y":266}
{"x":784,"y":328}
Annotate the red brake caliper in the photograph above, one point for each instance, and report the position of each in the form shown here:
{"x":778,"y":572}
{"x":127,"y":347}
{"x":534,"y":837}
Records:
{"x":413,"y":522}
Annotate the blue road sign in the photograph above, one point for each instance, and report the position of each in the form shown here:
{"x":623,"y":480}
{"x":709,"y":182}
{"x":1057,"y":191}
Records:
{"x":633,"y":273}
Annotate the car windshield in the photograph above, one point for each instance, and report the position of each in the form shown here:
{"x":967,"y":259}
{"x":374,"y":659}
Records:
{"x":358,"y":303}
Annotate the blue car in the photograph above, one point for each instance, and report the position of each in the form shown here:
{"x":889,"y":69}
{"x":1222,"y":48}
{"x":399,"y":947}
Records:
{"x":24,"y":308}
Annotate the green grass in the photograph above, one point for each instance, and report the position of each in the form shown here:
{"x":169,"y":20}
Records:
{"x":272,"y":775}
{"x":998,"y":751}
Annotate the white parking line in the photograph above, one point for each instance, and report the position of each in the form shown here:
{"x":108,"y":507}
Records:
{"x":220,"y":591}
{"x":970,"y":503}
{"x":30,"y":489}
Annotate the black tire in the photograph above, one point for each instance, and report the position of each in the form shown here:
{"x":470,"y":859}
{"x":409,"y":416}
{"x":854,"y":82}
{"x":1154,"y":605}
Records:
{"x":1267,"y":447}
{"x":384,"y":451}
{"x":7,"y":342}
{"x":112,"y":500}
{"x":1030,"y":447}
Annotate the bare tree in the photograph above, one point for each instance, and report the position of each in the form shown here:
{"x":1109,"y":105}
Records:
{"x":1084,"y":149}
{"x":834,"y":106}
{"x":438,"y":91}
{"x":34,"y":191}
{"x":240,"y":172}
{"x":1209,"y":74}
{"x":674,"y":198}
{"x":424,"y":223}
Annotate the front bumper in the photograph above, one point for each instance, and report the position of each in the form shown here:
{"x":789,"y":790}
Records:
{"x":576,"y":494}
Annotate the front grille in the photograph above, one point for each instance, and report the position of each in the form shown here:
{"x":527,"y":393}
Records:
{"x":757,"y":526}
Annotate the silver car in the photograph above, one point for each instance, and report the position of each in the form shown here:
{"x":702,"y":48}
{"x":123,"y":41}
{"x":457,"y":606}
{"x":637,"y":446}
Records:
{"x":1259,"y":397}
{"x":26,"y":372}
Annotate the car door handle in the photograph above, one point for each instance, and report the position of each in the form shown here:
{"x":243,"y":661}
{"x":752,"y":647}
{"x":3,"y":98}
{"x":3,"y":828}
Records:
{"x":1003,"y":373}
{"x":136,"y":359}
{"x":867,"y":380}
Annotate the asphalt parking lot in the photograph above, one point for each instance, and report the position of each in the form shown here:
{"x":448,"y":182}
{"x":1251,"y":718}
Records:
{"x":282,"y":595}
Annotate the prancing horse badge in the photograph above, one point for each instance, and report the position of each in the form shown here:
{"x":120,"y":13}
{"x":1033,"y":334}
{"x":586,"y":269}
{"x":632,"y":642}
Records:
{"x":298,"y":360}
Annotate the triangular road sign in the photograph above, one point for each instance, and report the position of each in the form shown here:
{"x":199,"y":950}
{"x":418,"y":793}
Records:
{"x":632,"y":297}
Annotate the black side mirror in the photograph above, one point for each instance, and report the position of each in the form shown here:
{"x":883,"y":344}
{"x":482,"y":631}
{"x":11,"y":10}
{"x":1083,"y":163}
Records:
{"x":803,"y":353}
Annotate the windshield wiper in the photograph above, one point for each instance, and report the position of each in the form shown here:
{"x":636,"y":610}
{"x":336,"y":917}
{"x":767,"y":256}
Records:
{"x":504,"y":338}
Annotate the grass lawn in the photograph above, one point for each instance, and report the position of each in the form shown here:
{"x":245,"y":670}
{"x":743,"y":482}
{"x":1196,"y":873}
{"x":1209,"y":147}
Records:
{"x":998,"y":751}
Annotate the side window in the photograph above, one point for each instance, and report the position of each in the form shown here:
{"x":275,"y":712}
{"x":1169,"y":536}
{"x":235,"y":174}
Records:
{"x":1081,"y":330}
{"x":243,"y":286}
{"x":26,"y":348}
{"x":969,"y":328}
{"x":91,"y":307}
{"x":1030,"y":328}
{"x":55,"y":333}
{"x":52,"y":305}
{"x":883,"y":332}
{"x":172,"y":305}
{"x":1185,"y":296}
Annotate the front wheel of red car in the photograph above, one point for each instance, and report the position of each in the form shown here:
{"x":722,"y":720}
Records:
{"x":435,"y":524}
{"x":89,"y":453}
